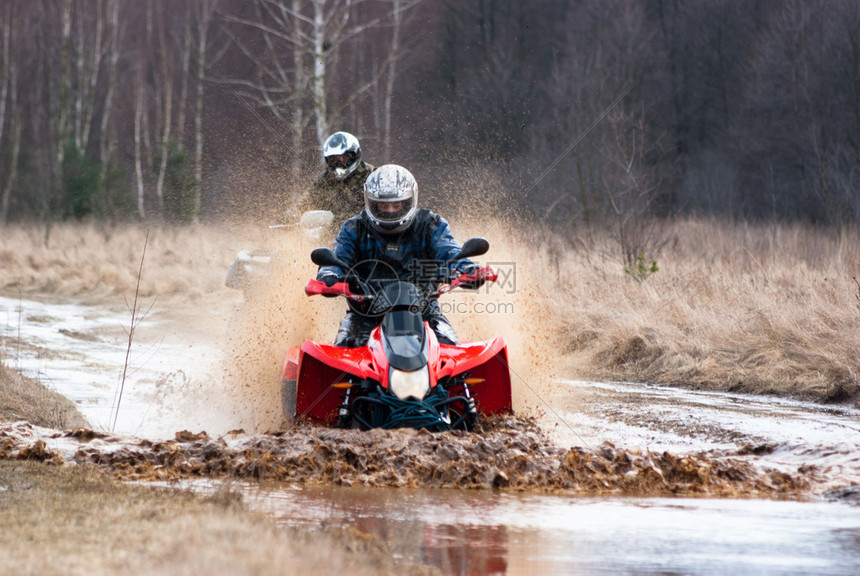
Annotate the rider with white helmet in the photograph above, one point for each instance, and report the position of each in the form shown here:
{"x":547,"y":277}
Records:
{"x":393,"y":239}
{"x":340,"y":188}
{"x":391,"y":199}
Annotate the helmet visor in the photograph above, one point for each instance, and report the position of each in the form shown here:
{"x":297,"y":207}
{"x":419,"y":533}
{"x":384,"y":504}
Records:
{"x":391,"y":210}
{"x":340,"y":160}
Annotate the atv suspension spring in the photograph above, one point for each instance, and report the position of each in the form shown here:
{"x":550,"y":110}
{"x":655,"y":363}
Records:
{"x":471,"y":407}
{"x":343,"y":417}
{"x":467,"y":414}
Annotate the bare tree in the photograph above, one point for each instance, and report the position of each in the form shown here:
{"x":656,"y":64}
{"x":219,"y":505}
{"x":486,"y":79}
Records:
{"x":301,"y":41}
{"x":631,"y":189}
{"x":5,"y":64}
{"x":138,"y":146}
{"x":166,"y":109}
{"x":89,"y":43}
{"x":15,"y":145}
{"x":206,"y":12}
{"x":802,"y":92}
{"x":397,"y":9}
{"x":9,"y":90}
{"x":106,"y":140}
{"x":186,"y":40}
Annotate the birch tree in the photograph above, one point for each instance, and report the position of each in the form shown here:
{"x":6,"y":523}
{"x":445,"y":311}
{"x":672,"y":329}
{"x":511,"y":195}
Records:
{"x":107,"y":141}
{"x":398,"y":7}
{"x":292,"y":76}
{"x":138,"y":147}
{"x":205,"y":15}
{"x":164,"y":85}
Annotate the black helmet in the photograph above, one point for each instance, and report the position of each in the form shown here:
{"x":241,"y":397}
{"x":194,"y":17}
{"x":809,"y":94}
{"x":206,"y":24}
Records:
{"x":391,"y":198}
{"x":342,"y":154}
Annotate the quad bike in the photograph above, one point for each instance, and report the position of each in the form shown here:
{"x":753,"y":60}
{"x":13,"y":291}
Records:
{"x":252,"y":266}
{"x":403,"y":376}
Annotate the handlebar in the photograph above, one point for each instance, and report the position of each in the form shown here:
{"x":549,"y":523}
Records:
{"x":314,"y":287}
{"x":485,"y":274}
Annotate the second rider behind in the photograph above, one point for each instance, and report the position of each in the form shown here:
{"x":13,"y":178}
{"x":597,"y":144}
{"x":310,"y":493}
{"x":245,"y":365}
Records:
{"x":393,"y":239}
{"x":340,"y":188}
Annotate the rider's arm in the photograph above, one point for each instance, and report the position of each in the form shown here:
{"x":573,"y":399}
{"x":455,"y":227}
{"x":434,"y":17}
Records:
{"x":344,"y":249}
{"x":446,"y":247}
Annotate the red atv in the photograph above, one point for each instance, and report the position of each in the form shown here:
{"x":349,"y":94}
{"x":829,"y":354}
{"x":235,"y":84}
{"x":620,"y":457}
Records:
{"x":403,"y":376}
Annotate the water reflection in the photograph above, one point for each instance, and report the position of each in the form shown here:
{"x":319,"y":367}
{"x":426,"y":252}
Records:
{"x":466,"y":550}
{"x":423,"y":527}
{"x":504,"y":533}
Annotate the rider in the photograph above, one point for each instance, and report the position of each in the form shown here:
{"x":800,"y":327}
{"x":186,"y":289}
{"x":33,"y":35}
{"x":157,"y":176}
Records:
{"x":339,"y":188}
{"x":393,"y":239}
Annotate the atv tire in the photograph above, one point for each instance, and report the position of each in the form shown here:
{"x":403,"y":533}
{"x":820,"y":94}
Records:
{"x":288,"y":397}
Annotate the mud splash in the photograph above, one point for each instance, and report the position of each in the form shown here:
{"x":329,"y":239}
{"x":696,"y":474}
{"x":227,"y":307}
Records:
{"x":512,"y":454}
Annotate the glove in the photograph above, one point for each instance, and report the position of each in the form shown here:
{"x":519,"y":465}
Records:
{"x":467,"y":268}
{"x":471,"y":269}
{"x":328,"y":278}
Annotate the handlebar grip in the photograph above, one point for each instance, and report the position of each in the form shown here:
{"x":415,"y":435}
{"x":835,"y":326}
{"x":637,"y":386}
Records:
{"x":314,"y":287}
{"x":485,"y":274}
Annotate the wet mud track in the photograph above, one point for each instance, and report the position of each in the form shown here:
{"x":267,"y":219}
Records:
{"x":818,"y":443}
{"x":512,"y":454}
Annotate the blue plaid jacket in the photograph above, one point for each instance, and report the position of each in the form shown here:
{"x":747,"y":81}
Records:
{"x":414,"y":255}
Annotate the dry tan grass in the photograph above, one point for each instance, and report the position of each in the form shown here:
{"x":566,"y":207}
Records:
{"x":91,"y":262}
{"x":742,"y":308}
{"x":73,"y":520}
{"x":23,"y":398}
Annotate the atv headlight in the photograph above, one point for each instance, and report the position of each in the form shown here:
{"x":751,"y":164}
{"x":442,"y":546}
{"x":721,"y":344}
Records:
{"x":406,"y":385}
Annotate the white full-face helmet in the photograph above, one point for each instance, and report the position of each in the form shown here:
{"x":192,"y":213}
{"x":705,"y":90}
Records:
{"x":391,"y":198}
{"x":342,"y":154}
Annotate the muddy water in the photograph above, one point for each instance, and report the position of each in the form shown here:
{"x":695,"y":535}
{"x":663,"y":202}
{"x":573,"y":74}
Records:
{"x":525,"y":510}
{"x":166,"y":377}
{"x":492,"y":533}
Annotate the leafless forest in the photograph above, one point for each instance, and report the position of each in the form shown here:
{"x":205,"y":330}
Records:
{"x":573,"y":112}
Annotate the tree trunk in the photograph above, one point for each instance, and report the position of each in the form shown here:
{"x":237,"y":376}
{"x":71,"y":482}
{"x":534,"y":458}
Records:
{"x":92,"y":77}
{"x":184,"y":77}
{"x":207,"y":8}
{"x":165,"y":143}
{"x":319,"y":94}
{"x":389,"y":86}
{"x":65,"y":88}
{"x":15,"y":124}
{"x":61,"y":130}
{"x":298,"y":117}
{"x":138,"y":160}
{"x":78,"y":45}
{"x":5,"y":66}
{"x":166,"y":109}
{"x":114,"y":51}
